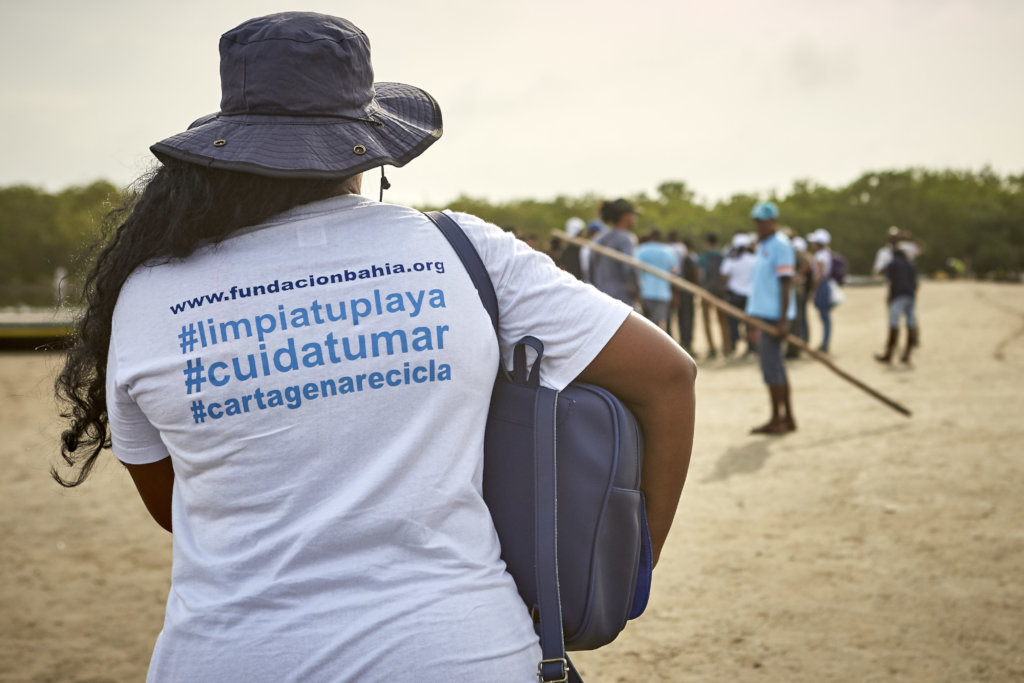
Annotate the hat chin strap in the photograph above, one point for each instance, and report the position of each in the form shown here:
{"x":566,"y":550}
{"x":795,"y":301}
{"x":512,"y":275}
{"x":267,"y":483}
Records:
{"x":384,"y":184}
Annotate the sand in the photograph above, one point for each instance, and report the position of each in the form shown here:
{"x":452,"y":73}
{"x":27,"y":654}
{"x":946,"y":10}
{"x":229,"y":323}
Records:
{"x":864,"y":547}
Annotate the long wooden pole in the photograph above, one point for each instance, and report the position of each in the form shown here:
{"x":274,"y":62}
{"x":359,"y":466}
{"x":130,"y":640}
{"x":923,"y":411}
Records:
{"x":702,"y":293}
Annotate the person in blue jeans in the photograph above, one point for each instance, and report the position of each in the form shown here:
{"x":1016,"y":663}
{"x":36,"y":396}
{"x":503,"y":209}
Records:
{"x":773,"y":301}
{"x":902,"y":278}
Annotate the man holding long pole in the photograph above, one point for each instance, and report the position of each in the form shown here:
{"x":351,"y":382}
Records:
{"x":767,"y":326}
{"x":773,"y":301}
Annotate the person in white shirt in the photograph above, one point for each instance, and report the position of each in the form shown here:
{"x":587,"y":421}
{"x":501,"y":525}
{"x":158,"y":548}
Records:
{"x":896,"y":239}
{"x":738,"y":271}
{"x":297,"y":379}
{"x":904,"y":241}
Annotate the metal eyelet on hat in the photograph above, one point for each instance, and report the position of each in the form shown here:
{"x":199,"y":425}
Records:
{"x":219,"y":143}
{"x":359,"y":149}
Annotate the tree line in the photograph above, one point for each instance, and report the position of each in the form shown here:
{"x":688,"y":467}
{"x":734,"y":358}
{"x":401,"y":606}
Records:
{"x":974,"y":216}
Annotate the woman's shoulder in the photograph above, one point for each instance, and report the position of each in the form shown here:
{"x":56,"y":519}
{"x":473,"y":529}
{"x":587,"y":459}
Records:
{"x":477,"y":226}
{"x":490,"y":240}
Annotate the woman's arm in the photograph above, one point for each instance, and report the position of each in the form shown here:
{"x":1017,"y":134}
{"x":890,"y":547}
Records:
{"x":155,"y":482}
{"x":654,"y":377}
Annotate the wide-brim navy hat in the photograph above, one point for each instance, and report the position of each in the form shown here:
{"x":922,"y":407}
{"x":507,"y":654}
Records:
{"x":298,"y":101}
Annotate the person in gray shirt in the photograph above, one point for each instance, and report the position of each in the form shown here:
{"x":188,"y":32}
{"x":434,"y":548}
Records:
{"x":614,"y":278}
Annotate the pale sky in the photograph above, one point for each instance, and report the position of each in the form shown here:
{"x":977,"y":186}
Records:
{"x":549,"y":97}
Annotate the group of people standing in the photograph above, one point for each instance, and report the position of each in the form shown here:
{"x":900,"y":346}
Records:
{"x":649,"y":293}
{"x":755,"y":276}
{"x":761,"y":273}
{"x":724,"y":273}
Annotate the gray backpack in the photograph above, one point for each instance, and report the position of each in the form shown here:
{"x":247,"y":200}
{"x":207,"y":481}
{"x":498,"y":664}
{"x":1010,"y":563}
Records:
{"x":585,"y":572}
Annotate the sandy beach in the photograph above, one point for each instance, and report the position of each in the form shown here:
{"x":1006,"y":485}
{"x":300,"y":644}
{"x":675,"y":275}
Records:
{"x":864,"y":547}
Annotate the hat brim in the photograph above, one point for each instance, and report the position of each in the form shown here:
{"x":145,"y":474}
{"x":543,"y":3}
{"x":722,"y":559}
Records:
{"x":401,"y":123}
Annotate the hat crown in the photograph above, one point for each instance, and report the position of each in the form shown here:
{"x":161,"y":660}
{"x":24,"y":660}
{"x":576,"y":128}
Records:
{"x":765,"y":211}
{"x":296,"y":63}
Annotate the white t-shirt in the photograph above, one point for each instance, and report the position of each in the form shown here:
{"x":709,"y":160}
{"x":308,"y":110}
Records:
{"x":740,"y":271}
{"x":681,"y":252}
{"x":321,"y":384}
{"x":824,"y":257}
{"x":883,"y":256}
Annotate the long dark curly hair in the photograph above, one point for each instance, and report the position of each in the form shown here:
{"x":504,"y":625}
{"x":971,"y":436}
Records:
{"x":168,"y":214}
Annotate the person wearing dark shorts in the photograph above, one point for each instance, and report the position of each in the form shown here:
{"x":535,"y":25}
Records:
{"x":770,"y":354}
{"x":773,"y":300}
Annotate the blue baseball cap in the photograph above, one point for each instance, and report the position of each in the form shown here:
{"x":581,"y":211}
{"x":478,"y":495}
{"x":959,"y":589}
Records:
{"x":765,"y":211}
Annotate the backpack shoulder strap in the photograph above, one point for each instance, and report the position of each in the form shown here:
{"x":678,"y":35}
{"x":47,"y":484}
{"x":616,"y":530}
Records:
{"x":470,"y":260}
{"x":555,"y":665}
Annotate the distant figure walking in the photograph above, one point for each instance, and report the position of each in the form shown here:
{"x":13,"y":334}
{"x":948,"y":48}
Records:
{"x":773,"y":301}
{"x":616,"y":279}
{"x":902,"y":278}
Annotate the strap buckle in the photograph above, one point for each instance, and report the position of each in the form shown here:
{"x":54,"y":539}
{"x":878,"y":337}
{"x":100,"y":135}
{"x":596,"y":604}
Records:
{"x":561,"y":661}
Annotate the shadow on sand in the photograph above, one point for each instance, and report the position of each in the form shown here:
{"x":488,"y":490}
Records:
{"x":745,"y":459}
{"x":751,"y":457}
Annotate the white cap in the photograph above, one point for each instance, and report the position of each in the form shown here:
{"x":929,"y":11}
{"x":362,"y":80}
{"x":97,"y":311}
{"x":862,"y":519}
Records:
{"x":574,"y":226}
{"x":799,"y":243}
{"x":820,"y":236}
{"x":741,"y":239}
